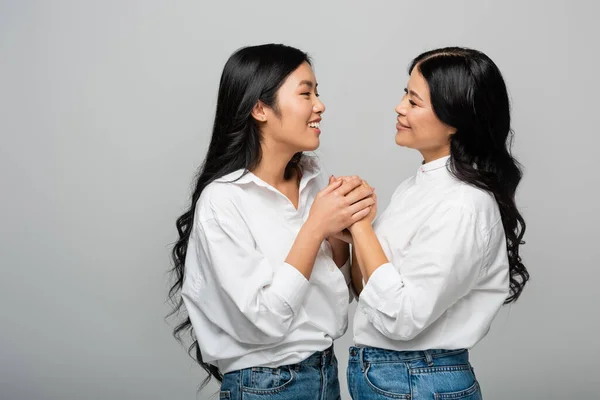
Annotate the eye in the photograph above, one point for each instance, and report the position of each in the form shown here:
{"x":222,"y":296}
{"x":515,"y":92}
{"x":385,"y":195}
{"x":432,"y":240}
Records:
{"x":306,"y":94}
{"x":412,"y":103}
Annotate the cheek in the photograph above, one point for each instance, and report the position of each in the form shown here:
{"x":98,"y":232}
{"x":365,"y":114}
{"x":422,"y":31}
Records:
{"x":298,"y":113}
{"x":424,"y":124}
{"x":415,"y":120}
{"x":436,"y":129}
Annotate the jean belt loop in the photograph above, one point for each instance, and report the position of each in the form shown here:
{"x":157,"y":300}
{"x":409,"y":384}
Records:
{"x":428,"y":358}
{"x":362,"y":358}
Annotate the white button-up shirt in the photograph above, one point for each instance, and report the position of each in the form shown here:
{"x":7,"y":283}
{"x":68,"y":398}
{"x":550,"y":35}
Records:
{"x":448,"y":272}
{"x":247,"y":306}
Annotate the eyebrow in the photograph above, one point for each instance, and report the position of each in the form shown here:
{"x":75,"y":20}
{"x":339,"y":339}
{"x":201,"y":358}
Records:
{"x":307,"y":83}
{"x":413,"y":93}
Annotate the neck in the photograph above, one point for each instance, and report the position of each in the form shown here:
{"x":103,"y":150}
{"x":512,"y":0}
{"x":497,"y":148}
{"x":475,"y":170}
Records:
{"x":429,"y":156}
{"x":274,"y":160}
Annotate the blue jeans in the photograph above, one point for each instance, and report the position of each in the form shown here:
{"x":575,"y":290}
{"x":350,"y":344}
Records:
{"x":432,"y":374}
{"x":315,"y":378}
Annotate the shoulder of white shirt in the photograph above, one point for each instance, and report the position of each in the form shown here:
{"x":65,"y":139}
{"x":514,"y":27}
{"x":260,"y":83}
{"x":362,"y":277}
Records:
{"x":462,"y":196}
{"x":470,"y":199}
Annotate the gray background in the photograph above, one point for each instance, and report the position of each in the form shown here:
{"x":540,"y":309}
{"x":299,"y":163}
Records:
{"x":105,"y":113}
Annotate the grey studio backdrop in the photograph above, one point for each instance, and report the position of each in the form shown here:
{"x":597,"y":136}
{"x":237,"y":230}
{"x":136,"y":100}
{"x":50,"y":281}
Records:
{"x":105,"y":114}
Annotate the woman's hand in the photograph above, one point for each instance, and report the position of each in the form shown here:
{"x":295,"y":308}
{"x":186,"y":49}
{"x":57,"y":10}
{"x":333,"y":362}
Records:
{"x":342,"y":203}
{"x":368,"y":219}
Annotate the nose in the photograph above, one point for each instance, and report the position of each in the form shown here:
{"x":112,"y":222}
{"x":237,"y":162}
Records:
{"x":402,"y":107}
{"x":318,"y":106}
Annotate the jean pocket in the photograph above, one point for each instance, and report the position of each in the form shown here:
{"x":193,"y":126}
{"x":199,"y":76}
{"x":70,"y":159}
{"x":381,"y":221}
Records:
{"x":471,"y":393}
{"x":388,"y":379}
{"x":263,"y":380}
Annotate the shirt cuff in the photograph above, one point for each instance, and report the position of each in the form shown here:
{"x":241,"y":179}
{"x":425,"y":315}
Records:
{"x":290,"y":285}
{"x":381,"y":281}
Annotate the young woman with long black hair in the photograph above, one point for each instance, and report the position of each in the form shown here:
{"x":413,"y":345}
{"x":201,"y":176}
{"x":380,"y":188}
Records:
{"x":257,"y":269}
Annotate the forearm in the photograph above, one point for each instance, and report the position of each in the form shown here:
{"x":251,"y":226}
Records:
{"x":356,"y":273}
{"x":304,"y":251}
{"x":367,"y":248}
{"x":340,"y":249}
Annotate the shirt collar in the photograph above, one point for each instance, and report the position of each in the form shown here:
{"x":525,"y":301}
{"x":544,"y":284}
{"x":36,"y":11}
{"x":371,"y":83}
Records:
{"x":310,"y":169}
{"x":433,"y":169}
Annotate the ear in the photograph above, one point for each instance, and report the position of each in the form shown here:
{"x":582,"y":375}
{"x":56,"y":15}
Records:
{"x":451,"y":131}
{"x":259,"y":112}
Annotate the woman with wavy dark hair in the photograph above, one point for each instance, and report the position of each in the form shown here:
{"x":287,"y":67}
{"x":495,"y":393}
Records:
{"x":256,"y":267}
{"x":442,"y":259}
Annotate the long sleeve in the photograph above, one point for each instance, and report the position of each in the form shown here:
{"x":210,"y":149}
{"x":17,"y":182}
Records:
{"x":237,"y":288}
{"x":442,"y":264}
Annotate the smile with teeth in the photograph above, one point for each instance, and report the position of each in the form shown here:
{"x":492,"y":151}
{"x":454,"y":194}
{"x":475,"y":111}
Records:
{"x":314,"y":125}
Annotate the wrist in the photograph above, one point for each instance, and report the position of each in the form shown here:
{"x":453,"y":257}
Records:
{"x":312,"y":230}
{"x":360,"y":227}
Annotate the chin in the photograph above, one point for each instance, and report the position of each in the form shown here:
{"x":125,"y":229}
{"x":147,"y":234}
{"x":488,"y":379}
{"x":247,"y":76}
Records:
{"x":312,"y":146}
{"x":401,"y":140}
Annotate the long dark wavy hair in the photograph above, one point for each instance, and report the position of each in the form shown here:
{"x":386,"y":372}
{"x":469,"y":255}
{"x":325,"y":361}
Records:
{"x":251,"y":74}
{"x":468,"y":93}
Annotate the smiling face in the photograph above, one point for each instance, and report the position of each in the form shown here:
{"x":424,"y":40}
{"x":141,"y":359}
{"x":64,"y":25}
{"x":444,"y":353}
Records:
{"x":417,"y":125}
{"x":295,"y":123}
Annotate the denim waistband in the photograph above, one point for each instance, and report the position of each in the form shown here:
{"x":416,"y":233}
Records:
{"x":324,"y":357}
{"x":374,"y":354}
